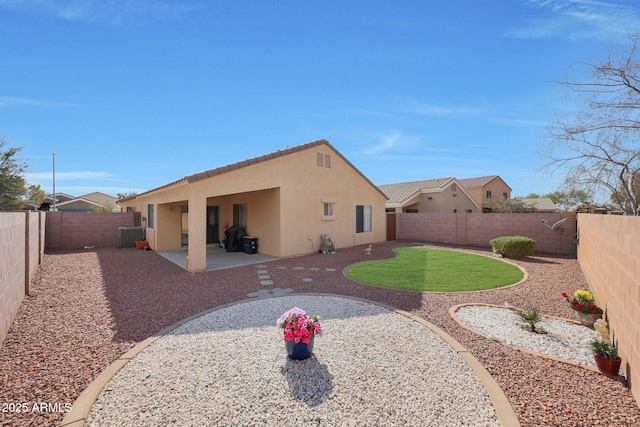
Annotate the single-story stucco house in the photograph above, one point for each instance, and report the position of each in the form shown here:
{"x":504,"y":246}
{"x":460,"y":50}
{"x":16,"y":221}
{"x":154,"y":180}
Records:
{"x":429,"y":195}
{"x":286,"y":199}
{"x":87,"y":203}
{"x":541,"y":204}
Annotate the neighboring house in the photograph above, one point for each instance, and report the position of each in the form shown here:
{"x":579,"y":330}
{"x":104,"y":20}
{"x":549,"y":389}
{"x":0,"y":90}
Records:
{"x":429,"y":195}
{"x":542,"y":204}
{"x":86,"y":203}
{"x":286,"y":199}
{"x":484,"y":189}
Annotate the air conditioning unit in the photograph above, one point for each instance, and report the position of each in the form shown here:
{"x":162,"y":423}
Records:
{"x":127,"y":236}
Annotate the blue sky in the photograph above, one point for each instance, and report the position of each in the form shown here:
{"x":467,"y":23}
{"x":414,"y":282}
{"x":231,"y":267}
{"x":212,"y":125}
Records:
{"x":133,"y":94}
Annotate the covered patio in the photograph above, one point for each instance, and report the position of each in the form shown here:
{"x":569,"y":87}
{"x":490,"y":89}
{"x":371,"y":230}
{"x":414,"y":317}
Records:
{"x":218,"y":258}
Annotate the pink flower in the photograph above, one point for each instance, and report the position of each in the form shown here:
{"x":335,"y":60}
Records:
{"x":298,"y":326}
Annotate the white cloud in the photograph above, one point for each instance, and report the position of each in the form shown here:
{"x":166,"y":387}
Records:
{"x":415,"y":107}
{"x":391,"y":142}
{"x":385,"y":144}
{"x":67,"y":176}
{"x":111,"y":12}
{"x":579,"y":19}
{"x":9,"y":101}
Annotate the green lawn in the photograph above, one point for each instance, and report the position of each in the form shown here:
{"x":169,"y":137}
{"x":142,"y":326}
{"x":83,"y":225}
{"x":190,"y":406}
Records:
{"x":437,"y":270}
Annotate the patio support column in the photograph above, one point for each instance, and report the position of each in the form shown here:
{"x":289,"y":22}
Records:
{"x":197,"y":233}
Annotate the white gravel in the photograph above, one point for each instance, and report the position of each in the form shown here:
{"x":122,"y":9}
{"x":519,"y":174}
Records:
{"x":562,"y":339}
{"x":371,"y":367}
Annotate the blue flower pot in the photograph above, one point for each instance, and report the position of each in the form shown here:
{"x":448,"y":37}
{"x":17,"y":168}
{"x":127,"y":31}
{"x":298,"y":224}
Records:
{"x":299,"y":351}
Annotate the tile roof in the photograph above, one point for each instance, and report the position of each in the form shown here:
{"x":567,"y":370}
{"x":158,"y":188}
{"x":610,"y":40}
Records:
{"x":541,"y":203}
{"x":480,"y":181}
{"x":239,"y":165}
{"x":403,"y":190}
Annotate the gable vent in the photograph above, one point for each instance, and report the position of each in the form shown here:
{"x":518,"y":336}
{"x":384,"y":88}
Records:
{"x":323,"y":160}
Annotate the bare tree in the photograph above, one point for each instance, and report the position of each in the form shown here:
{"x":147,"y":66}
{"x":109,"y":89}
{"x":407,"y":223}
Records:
{"x":599,"y":148}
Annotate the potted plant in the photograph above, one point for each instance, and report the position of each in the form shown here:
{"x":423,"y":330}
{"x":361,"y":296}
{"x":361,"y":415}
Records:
{"x":606,"y":356}
{"x":299,"y":330}
{"x":584,"y":304}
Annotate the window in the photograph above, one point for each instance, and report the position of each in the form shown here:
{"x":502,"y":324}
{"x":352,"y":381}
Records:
{"x":411,"y":210}
{"x":150,"y":215}
{"x":363,"y":219}
{"x":328,"y":209}
{"x":469,"y":211}
{"x":455,"y":210}
{"x":505,"y":196}
{"x":488,"y":194}
{"x":240,"y":215}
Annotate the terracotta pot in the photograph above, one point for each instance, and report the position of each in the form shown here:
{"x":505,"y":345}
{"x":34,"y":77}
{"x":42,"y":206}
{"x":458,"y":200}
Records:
{"x":610,"y":367}
{"x":140,"y":244}
{"x":587,"y":319}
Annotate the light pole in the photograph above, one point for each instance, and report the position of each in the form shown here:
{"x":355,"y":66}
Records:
{"x":53,"y":156}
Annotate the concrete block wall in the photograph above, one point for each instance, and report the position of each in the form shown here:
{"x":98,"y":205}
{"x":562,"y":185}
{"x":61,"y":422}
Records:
{"x":75,"y":230}
{"x":477,"y":229}
{"x":21,"y":248}
{"x":609,"y":254}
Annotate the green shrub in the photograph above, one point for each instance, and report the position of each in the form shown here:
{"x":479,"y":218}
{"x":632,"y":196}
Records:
{"x":514,"y":247}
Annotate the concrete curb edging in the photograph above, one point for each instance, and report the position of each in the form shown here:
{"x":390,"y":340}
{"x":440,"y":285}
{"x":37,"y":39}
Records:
{"x":83,"y":404}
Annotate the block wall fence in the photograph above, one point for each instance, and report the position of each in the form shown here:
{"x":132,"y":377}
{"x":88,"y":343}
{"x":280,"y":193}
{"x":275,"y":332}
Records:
{"x":608,"y":252}
{"x":75,"y":230}
{"x":21,"y":250}
{"x":609,"y":255}
{"x":24,"y":237}
{"x":477,"y":229}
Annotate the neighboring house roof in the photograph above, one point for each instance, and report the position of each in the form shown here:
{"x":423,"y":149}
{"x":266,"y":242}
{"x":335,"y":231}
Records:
{"x":99,"y":198}
{"x":401,"y":192}
{"x":60,"y":197}
{"x":239,"y":165}
{"x":86,"y":202}
{"x":77,"y":201}
{"x":480,"y":181}
{"x":542,"y":204}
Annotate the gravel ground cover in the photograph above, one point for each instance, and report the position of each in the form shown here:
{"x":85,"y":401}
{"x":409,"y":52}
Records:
{"x":89,"y":307}
{"x":558,"y":338}
{"x":229,"y":367}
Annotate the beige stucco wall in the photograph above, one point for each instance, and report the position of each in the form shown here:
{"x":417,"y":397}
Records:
{"x":285,"y":198}
{"x":497,"y":186}
{"x":444,"y":202}
{"x":263,"y":216}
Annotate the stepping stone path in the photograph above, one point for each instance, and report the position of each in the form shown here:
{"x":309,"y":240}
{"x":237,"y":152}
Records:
{"x":265,"y":280}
